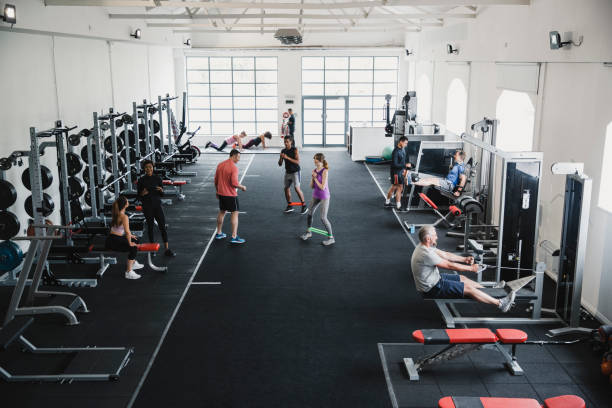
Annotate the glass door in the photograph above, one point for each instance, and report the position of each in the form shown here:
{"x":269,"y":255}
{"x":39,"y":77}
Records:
{"x":324,"y":120}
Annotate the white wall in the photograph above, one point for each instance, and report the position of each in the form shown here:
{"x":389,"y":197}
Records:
{"x":290,"y":74}
{"x":45,"y":77}
{"x":572,"y":101}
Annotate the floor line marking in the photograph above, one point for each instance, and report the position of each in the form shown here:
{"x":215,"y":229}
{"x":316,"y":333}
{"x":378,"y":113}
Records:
{"x":176,"y":309}
{"x":383,"y":360}
{"x":205,"y":283}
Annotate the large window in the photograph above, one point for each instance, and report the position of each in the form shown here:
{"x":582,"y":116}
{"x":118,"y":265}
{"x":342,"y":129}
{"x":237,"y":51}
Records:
{"x":456,"y":107}
{"x":605,"y":187}
{"x":365,"y":80}
{"x":516,"y":115}
{"x":230,"y":94}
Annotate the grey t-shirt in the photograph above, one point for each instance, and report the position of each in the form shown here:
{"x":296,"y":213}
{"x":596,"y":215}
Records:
{"x":424,"y":269}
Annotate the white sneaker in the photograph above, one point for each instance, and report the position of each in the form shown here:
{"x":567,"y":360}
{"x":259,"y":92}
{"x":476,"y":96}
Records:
{"x":132,"y":275}
{"x":329,"y":241}
{"x":507,"y":302}
{"x":306,"y":235}
{"x":137,"y":265}
{"x":500,"y":284}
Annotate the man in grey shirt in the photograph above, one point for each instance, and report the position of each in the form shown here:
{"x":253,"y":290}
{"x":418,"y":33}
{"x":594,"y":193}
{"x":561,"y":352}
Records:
{"x":426,"y":259}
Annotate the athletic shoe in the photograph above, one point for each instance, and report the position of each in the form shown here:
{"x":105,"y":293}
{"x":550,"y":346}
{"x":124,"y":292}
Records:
{"x":398,"y":205}
{"x":507,"y":302}
{"x":329,"y":241}
{"x":306,"y":235}
{"x":500,"y":284}
{"x":137,"y":265}
{"x":388,"y":204}
{"x":237,"y":240}
{"x":304,"y":210}
{"x":169,"y":253}
{"x":289,"y":209}
{"x":132,"y":275}
{"x":220,"y":236}
{"x":207,"y":145}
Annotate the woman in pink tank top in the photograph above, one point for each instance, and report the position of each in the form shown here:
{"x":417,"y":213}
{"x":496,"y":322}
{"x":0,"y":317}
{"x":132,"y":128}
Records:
{"x":235,"y":139}
{"x":320,"y":197}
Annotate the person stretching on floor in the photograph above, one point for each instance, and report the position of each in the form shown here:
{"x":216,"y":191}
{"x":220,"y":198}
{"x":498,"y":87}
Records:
{"x":398,"y":172}
{"x":120,"y":238}
{"x":291,"y":157}
{"x":257,"y":140}
{"x":150,"y":189}
{"x":426,"y":259}
{"x":454,"y":181}
{"x":229,"y":141}
{"x":226,"y":183}
{"x":320,"y":197}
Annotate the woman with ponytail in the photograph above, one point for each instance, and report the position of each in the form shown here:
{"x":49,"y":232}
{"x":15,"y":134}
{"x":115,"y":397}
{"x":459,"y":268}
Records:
{"x":320,"y":197}
{"x":121,"y":239}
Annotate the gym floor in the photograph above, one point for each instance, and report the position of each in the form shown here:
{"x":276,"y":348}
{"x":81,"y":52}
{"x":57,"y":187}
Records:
{"x":279,"y":321}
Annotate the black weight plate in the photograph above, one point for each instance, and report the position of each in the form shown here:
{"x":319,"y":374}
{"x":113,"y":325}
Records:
{"x":86,"y":175}
{"x":158,"y":156}
{"x":141,"y":131}
{"x":127,"y":119}
{"x":47,"y":205}
{"x":131,"y":137}
{"x":76,"y":211}
{"x":9,"y":225}
{"x":8,"y":194}
{"x":76,"y":188}
{"x":108,"y":144}
{"x":10,"y":256}
{"x":118,"y":123}
{"x":109,"y":180}
{"x":108,"y":164}
{"x":73,"y":163}
{"x":143,"y":147}
{"x":74,"y":140}
{"x":157,"y":142}
{"x":5,"y":163}
{"x":132,"y":155}
{"x":85,"y":132}
{"x":155,"y":126}
{"x":85,"y":157}
{"x":46,"y":177}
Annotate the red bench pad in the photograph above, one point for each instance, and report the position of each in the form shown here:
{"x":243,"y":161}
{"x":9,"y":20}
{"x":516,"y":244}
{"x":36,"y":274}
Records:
{"x":564,"y":401}
{"x":151,"y":247}
{"x":511,"y":336}
{"x":454,"y":336}
{"x":454,"y":210}
{"x":428,"y":201}
{"x":487,"y":402}
{"x":174,"y":183}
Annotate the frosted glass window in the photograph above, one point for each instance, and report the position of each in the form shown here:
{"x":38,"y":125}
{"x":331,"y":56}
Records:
{"x":516,"y":115}
{"x":197,"y":76}
{"x":265,"y":63}
{"x":197,"y":63}
{"x":456,"y":107}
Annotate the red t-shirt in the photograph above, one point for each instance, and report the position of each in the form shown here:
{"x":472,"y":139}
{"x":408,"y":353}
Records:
{"x":226,"y":178}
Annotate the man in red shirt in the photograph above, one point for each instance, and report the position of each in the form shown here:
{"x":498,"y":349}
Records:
{"x":226,"y":183}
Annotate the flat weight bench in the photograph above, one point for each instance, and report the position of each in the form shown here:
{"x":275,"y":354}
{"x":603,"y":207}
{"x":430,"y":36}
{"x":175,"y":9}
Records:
{"x":178,"y":187}
{"x":463,"y":341}
{"x":562,"y":401}
{"x":149,"y":248}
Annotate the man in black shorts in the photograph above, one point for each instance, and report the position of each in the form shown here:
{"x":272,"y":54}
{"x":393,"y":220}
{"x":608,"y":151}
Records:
{"x":226,"y":183}
{"x":398,"y":172}
{"x":291,"y":122}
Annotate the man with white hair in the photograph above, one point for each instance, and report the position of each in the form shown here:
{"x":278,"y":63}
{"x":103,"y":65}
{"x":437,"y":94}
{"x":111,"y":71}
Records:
{"x":426,"y":259}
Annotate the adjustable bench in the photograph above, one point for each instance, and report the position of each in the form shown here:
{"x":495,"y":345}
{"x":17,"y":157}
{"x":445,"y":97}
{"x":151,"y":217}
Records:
{"x":462,"y":341}
{"x":563,"y":401}
{"x":453,"y":211}
{"x":82,"y":363}
{"x":149,"y":248}
{"x":178,"y":187}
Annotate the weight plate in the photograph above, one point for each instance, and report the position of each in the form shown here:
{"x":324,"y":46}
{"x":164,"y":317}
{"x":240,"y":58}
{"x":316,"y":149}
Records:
{"x":143,"y":147}
{"x":108,"y":144}
{"x":85,"y":132}
{"x":131,"y":137}
{"x":141,"y":131}
{"x":73,"y":163}
{"x":104,"y":126}
{"x":155,"y":126}
{"x":46,"y":177}
{"x":109,"y":180}
{"x":47,"y":205}
{"x":86,"y":175}
{"x":118,"y":123}
{"x":76,"y":211}
{"x":8,"y":194}
{"x":9,"y":225}
{"x":74,"y":140}
{"x":132,"y":155}
{"x":108,"y":164}
{"x":157,"y":142}
{"x":127,"y":119}
{"x":5,"y":163}
{"x":76,"y":188}
{"x":10,"y":256}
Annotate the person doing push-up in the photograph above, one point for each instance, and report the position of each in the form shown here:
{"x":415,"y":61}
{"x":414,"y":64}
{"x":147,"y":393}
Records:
{"x":426,"y":259}
{"x":454,"y":182}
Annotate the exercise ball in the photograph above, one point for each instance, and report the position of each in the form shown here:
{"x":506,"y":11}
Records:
{"x":386,"y":153}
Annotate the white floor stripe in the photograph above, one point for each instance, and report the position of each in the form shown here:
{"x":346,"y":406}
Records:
{"x":176,"y":309}
{"x":205,"y":283}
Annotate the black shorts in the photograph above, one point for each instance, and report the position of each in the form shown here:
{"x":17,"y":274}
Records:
{"x":227,"y":203}
{"x":397,"y":177}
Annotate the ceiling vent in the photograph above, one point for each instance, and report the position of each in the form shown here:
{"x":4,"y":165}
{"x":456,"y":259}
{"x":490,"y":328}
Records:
{"x":288,"y":36}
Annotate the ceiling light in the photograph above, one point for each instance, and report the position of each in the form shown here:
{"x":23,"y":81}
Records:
{"x":10,"y":14}
{"x":288,"y":36}
{"x":137,"y":33}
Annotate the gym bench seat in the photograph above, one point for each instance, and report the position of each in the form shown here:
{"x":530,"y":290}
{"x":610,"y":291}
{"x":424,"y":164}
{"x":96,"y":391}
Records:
{"x":562,"y":401}
{"x":463,"y":341}
{"x":453,"y":211}
{"x":147,"y":248}
{"x":178,"y":187}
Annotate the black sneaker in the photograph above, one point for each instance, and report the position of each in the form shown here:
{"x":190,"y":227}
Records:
{"x":169,"y":253}
{"x":207,"y":145}
{"x":289,"y":209}
{"x":304,"y":209}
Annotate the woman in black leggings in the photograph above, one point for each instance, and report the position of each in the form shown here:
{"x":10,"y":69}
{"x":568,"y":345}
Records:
{"x":120,"y":238}
{"x":150,"y":190}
